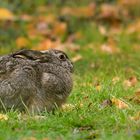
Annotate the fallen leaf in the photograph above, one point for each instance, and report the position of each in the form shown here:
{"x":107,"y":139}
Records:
{"x":98,"y":87}
{"x":75,"y":36}
{"x":59,"y":28}
{"x":47,"y":44}
{"x":132,"y":81}
{"x":115,"y":79}
{"x":72,"y":47}
{"x":119,"y":103}
{"x":102,"y":30}
{"x":129,"y":2}
{"x":81,"y":12}
{"x":67,"y":107}
{"x":109,"y":13}
{"x":135,"y":98}
{"x":22,"y":42}
{"x":3,"y":117}
{"x":26,"y":17}
{"x":136,"y":117}
{"x":110,"y":46}
{"x":6,"y":14}
{"x":78,"y":57}
{"x":133,"y":27}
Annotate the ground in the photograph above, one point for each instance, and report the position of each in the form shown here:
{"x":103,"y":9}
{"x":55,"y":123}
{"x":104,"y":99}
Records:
{"x":105,"y":101}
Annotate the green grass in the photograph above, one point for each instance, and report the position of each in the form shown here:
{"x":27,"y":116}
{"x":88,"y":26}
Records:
{"x":87,"y":120}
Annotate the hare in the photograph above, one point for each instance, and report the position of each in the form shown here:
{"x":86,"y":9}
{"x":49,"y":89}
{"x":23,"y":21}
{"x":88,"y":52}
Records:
{"x":35,"y":80}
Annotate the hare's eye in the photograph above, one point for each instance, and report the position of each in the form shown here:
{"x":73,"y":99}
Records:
{"x":62,"y":57}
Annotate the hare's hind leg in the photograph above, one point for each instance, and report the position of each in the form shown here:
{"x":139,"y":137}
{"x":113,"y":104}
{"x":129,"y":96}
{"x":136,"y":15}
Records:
{"x":18,"y":87}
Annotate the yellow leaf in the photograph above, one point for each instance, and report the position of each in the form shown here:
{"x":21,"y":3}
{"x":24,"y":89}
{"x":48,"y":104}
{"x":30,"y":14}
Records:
{"x":136,"y":117}
{"x":98,"y":87}
{"x":115,"y":79}
{"x":67,"y":107}
{"x":76,"y":58}
{"x":3,"y":117}
{"x":22,"y":42}
{"x":119,"y":103}
{"x":6,"y":14}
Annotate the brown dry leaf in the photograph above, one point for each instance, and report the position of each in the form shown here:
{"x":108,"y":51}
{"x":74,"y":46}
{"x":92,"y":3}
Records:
{"x":134,"y":27}
{"x":81,"y":12}
{"x":115,"y":79}
{"x":135,"y":98}
{"x":102,"y":30}
{"x":3,"y":117}
{"x":22,"y":42}
{"x":110,"y":46}
{"x":136,"y":117}
{"x":75,"y":36}
{"x":78,"y":57}
{"x":115,"y":30}
{"x":26,"y":17}
{"x":132,"y":81}
{"x":68,"y":47}
{"x":109,"y":12}
{"x":119,"y":103}
{"x":59,"y":28}
{"x":47,"y":44}
{"x":6,"y":14}
{"x":129,"y":2}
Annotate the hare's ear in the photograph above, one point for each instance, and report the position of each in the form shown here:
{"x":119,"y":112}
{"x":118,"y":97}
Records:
{"x":27,"y":54}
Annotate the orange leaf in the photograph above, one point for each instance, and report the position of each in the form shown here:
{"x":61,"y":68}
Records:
{"x":6,"y":14}
{"x":119,"y":103}
{"x":22,"y":42}
{"x":132,"y":81}
{"x":59,"y":28}
{"x":47,"y":44}
{"x":81,"y":12}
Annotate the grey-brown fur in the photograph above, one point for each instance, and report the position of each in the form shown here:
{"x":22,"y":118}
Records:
{"x":35,"y":80}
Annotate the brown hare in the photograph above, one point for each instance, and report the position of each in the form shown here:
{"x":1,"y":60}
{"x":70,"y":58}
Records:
{"x":35,"y":80}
